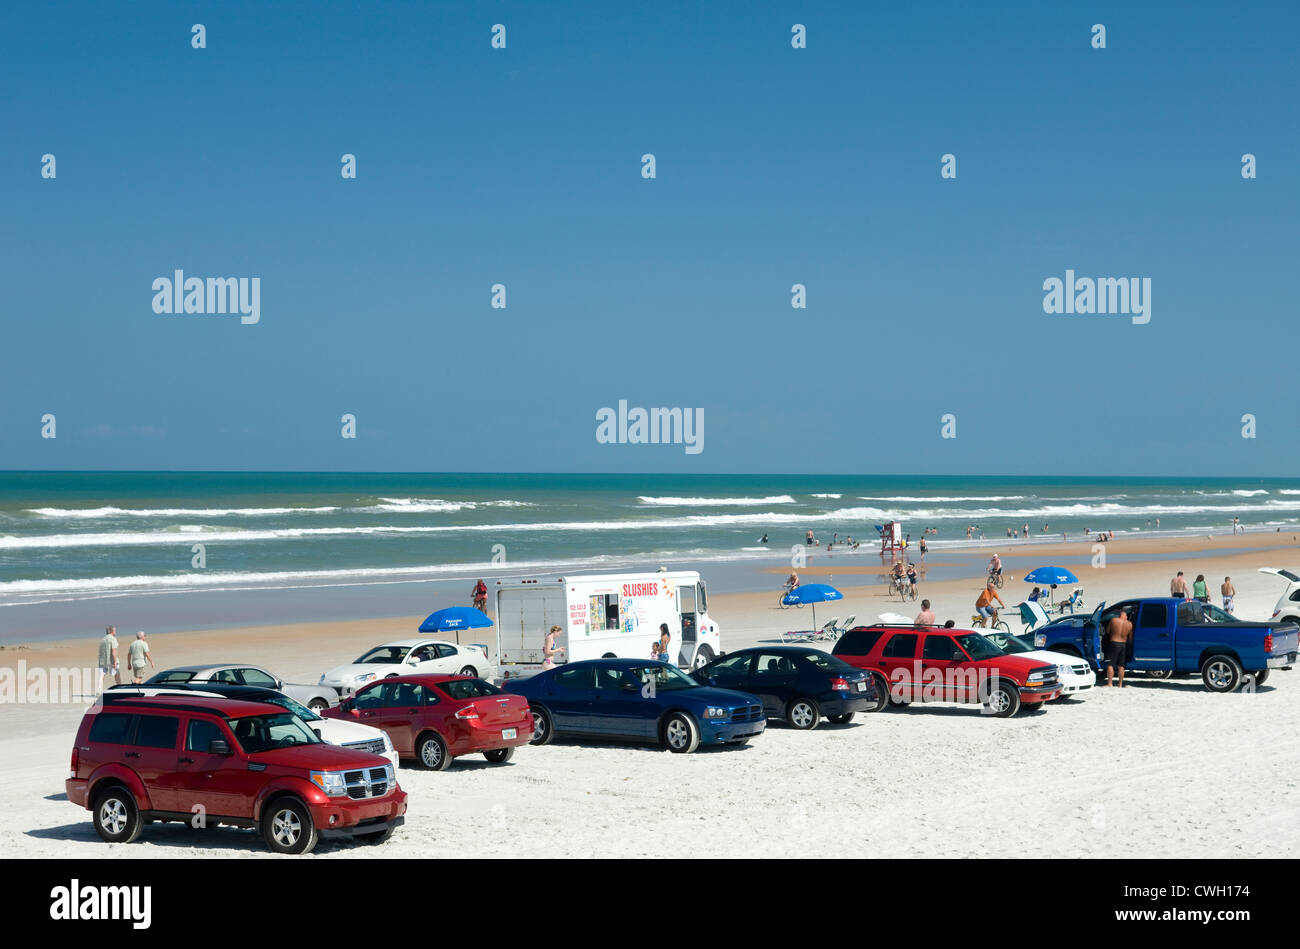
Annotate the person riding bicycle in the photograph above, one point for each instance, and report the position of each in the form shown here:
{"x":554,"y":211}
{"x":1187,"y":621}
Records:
{"x":791,"y":581}
{"x":896,"y":573}
{"x":983,"y":604}
{"x":480,"y":595}
{"x":995,"y":566}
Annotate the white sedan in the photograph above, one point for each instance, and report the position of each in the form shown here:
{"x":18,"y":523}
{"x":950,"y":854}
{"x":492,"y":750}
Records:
{"x":407,"y":657}
{"x":1075,"y":674}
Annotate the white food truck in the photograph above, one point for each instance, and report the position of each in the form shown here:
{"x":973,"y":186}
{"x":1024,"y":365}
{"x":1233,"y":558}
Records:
{"x":602,"y":616}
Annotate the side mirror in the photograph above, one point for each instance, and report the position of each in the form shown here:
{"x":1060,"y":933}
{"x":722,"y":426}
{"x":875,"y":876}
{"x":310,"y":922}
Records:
{"x":630,"y":687}
{"x":957,"y":657}
{"x":317,"y":731}
{"x":218,"y":746}
{"x":413,"y":660}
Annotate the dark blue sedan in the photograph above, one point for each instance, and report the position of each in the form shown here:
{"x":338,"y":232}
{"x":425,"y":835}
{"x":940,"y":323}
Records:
{"x":636,"y":699}
{"x":797,"y":683}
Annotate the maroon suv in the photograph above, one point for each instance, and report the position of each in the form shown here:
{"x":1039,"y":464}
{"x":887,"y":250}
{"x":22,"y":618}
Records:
{"x":209,"y":761}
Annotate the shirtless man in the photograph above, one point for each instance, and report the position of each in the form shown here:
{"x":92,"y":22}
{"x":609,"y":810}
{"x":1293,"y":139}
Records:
{"x":1178,"y":587}
{"x":926,"y":616}
{"x":1118,"y":632}
{"x":1229,"y":593}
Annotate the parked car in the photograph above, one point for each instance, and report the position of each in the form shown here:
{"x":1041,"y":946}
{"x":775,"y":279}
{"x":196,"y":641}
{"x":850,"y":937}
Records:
{"x":941,"y":664}
{"x":435,"y":718}
{"x":1172,"y":636}
{"x":1075,"y":674}
{"x":406,"y":657}
{"x":1287,"y":609}
{"x":208,"y":761}
{"x":637,"y":699}
{"x":348,"y":734}
{"x":799,"y":684}
{"x":234,"y":673}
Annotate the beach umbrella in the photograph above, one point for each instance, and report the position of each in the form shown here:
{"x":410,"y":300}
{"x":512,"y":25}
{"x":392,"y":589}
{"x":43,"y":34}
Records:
{"x":1050,"y":575}
{"x":455,"y":618}
{"x":812,"y":593}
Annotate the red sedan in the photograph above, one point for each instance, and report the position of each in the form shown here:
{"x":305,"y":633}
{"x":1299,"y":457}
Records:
{"x":434,"y":718}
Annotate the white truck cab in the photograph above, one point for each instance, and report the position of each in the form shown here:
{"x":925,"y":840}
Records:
{"x":604,"y":615}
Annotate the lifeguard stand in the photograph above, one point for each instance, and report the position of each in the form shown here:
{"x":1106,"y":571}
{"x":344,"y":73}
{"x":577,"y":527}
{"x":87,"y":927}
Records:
{"x":891,"y":540}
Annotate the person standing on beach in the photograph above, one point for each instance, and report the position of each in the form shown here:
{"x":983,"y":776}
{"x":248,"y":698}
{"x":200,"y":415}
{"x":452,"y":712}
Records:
{"x":1229,"y":593}
{"x":1178,"y":587}
{"x":550,"y":650}
{"x":137,"y":654}
{"x":926,"y":616}
{"x":923,"y":549}
{"x":665,"y":638}
{"x":1199,"y":591}
{"x":1118,"y":631}
{"x":108,"y":657}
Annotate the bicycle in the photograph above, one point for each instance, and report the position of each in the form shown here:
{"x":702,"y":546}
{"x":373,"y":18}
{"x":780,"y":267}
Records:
{"x":996,"y":579}
{"x":784,"y":593}
{"x":900,"y":586}
{"x":999,"y":624}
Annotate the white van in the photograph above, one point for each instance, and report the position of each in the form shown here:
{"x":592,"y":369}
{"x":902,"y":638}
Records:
{"x":602,"y":616}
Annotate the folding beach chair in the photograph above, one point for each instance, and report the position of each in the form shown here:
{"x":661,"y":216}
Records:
{"x":1031,"y":614}
{"x":839,"y":631}
{"x":1075,"y":602}
{"x":828,"y":629}
{"x":799,"y":635}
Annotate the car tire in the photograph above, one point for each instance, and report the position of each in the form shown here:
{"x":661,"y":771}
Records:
{"x":116,"y":815}
{"x":318,"y":705}
{"x":1260,"y":677}
{"x":882,"y":694}
{"x":431,"y":752}
{"x":1221,"y":673}
{"x":680,"y":733}
{"x":543,"y":726}
{"x":499,"y":755}
{"x":287,"y":826}
{"x":1003,"y":700}
{"x":841,"y":719}
{"x":703,"y":656}
{"x":1159,"y":674}
{"x":469,"y":671}
{"x":803,"y":713}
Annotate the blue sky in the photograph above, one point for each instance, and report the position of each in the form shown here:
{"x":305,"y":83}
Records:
{"x":775,"y":166}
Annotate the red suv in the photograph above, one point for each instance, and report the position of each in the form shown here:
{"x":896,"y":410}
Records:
{"x":434,"y":718}
{"x":939,"y":664}
{"x":209,"y":761}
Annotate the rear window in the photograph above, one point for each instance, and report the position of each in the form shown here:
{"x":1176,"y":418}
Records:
{"x":171,"y":675}
{"x":111,"y":728}
{"x":901,"y":646}
{"x":828,"y":663}
{"x":857,"y":642}
{"x":468,"y":689}
{"x":157,"y":731}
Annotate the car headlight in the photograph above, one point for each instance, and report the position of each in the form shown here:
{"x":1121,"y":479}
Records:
{"x":364,"y":677}
{"x":714,"y":711}
{"x":388,"y":744}
{"x":331,"y":782}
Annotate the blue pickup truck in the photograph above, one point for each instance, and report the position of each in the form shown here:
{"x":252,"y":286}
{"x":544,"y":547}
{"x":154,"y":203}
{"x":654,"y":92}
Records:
{"x":1172,"y":636}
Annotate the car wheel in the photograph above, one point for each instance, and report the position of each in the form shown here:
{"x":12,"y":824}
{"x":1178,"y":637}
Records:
{"x":543,"y":731}
{"x":1160,"y":673}
{"x":1003,"y":701}
{"x":703,"y":656}
{"x":318,"y":705}
{"x":1259,"y":676}
{"x":680,"y":733}
{"x":431,"y":752}
{"x":469,"y":671}
{"x":1221,"y":674}
{"x":841,"y":719}
{"x":116,"y":816}
{"x":287,"y":826}
{"x":882,"y":694}
{"x":803,"y":714}
{"x":499,"y":755}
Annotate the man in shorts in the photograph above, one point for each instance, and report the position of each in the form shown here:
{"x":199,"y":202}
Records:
{"x":1118,"y":632}
{"x":1178,"y":587}
{"x":107,"y":660}
{"x":984,"y":605}
{"x":1229,"y":594}
{"x":137,"y":655}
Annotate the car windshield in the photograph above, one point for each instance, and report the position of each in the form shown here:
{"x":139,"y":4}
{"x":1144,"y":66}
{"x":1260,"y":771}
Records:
{"x":1006,"y":642}
{"x":171,"y":675}
{"x":468,"y":688}
{"x":302,"y":711}
{"x":385,"y":655}
{"x":977,"y":647}
{"x":665,"y":677}
{"x":257,"y":733}
{"x":828,"y":663}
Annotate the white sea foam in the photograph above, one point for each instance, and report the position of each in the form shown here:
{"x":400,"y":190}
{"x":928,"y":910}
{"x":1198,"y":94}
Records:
{"x":904,"y":497}
{"x":833,"y":496}
{"x":719,"y":502}
{"x":433,"y":506}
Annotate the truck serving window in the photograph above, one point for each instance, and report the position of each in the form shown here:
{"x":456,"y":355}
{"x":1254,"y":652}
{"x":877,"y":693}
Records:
{"x":604,"y":611}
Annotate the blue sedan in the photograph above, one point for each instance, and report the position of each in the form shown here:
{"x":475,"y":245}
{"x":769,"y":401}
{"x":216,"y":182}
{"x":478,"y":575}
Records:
{"x":636,"y":699}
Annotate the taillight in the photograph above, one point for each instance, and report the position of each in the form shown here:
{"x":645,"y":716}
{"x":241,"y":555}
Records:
{"x":1268,"y":642}
{"x":468,"y":713}
{"x":75,"y":762}
{"x":1275,"y":612}
{"x":840,"y":684}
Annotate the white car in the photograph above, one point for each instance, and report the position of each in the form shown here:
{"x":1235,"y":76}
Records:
{"x":407,"y":657}
{"x":1075,"y":674}
{"x":336,"y":731}
{"x":1288,"y":604}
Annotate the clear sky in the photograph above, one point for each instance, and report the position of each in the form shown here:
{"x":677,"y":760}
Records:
{"x":775,"y":166}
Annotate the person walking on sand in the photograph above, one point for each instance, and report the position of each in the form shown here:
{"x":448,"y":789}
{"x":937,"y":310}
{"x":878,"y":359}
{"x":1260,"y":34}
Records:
{"x":1118,"y":631}
{"x":550,"y":650}
{"x":926,"y":616}
{"x":137,"y":655}
{"x":923,"y":549}
{"x":1178,"y":587}
{"x":108,"y":657}
{"x":1229,"y":594}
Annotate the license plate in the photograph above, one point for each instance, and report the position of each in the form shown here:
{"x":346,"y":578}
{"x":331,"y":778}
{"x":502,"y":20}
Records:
{"x":509,"y":733}
{"x":862,"y":686}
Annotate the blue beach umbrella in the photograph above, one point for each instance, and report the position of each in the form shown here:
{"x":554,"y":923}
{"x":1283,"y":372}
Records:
{"x":454,"y":619}
{"x":1050,"y":575}
{"x":813,"y":593}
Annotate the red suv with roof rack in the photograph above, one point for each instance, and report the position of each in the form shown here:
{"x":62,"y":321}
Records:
{"x":210,"y":761}
{"x":941,"y":664}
